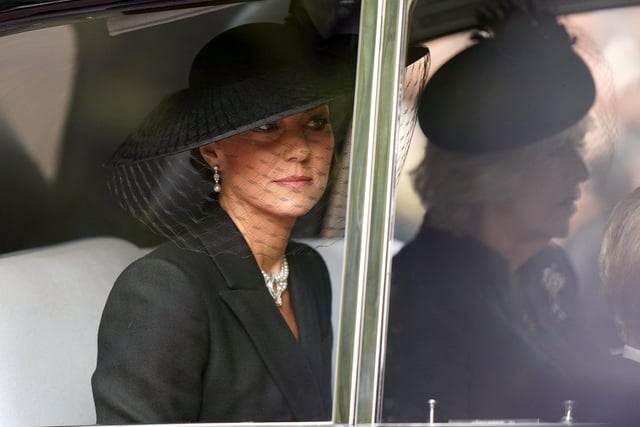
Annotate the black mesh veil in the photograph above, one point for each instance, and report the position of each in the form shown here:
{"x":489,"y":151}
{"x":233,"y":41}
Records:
{"x":240,"y":109}
{"x":415,"y":78}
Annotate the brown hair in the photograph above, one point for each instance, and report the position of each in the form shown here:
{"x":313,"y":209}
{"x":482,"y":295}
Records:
{"x":620,"y":261}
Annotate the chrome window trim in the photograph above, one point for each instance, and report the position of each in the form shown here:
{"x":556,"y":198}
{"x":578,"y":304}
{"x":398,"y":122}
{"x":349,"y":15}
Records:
{"x":369,"y":223}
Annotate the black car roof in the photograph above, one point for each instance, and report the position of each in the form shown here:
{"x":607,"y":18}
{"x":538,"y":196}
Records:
{"x":430,"y":18}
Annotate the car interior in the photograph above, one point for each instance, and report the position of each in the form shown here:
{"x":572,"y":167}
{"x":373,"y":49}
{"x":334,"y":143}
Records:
{"x":77,"y":76}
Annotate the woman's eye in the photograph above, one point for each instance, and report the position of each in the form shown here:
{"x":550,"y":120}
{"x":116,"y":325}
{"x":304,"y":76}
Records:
{"x":569,"y":147}
{"x":266,"y":127}
{"x":580,"y":146}
{"x":577,"y":143}
{"x":318,"y":123}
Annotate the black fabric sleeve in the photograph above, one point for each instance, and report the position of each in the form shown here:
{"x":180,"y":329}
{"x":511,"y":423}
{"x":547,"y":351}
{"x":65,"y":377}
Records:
{"x":423,"y":362}
{"x":152,"y":347}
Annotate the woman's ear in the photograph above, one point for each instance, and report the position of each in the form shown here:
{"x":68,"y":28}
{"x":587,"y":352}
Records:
{"x":210,"y":154}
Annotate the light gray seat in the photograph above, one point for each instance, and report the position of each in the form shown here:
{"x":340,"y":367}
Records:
{"x":51,"y":302}
{"x":332,"y":251}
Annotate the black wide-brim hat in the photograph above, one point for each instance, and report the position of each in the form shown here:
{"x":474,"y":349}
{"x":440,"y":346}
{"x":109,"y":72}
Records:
{"x":520,"y":85}
{"x":245,"y":77}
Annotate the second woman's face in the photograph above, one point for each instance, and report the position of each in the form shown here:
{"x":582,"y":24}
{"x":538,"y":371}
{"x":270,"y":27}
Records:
{"x":549,"y":187}
{"x":280,"y":168}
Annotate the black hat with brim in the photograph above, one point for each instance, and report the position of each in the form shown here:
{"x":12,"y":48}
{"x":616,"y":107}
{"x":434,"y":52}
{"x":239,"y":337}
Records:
{"x":245,"y":77}
{"x":192,"y":117}
{"x":524,"y":84}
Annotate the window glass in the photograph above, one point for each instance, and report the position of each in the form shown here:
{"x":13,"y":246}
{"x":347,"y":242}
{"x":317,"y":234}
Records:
{"x":457,"y":333}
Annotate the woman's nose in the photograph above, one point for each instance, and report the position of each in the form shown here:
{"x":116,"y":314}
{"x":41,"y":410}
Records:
{"x":297,"y":147}
{"x":579,"y":167}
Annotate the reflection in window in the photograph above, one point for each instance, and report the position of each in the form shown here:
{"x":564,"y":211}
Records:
{"x":443,"y":279}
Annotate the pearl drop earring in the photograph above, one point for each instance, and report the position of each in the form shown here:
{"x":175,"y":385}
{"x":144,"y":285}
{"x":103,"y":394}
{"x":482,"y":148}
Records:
{"x":216,"y":179}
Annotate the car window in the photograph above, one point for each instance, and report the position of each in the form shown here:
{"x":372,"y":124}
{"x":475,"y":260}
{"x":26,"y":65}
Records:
{"x":70,"y":94}
{"x":607,"y":40}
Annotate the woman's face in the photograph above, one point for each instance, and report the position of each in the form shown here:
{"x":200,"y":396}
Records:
{"x":279,"y":168}
{"x":548,"y":187}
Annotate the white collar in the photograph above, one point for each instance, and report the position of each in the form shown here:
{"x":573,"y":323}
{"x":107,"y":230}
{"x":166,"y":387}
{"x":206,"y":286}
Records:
{"x":632,"y":353}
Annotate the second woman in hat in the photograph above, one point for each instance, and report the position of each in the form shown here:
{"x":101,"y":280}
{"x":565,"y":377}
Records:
{"x":485,"y":315}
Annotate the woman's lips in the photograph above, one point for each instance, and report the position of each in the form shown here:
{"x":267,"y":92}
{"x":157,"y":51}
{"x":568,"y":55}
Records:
{"x":570,"y":202}
{"x":294,"y":181}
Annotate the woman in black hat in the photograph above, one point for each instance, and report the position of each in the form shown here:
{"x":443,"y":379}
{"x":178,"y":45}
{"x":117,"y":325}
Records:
{"x":230,"y":320}
{"x":484,"y":314}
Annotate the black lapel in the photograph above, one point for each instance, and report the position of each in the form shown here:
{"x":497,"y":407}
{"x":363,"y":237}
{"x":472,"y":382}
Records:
{"x":279,"y":350}
{"x":300,"y":282}
{"x":250,"y":301}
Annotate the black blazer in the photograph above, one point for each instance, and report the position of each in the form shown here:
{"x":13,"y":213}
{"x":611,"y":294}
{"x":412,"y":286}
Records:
{"x":457,"y":335}
{"x":618,"y":388}
{"x":195,"y":337}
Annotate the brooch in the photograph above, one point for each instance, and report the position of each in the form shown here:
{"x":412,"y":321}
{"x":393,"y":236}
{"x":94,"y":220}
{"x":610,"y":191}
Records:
{"x":553,"y":281}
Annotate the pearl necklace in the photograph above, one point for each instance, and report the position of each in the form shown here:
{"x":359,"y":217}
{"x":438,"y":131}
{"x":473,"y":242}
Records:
{"x":277,"y":284}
